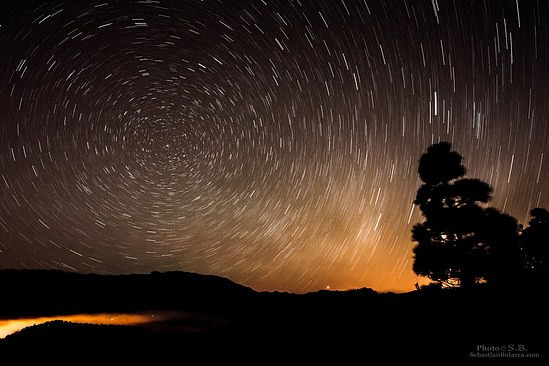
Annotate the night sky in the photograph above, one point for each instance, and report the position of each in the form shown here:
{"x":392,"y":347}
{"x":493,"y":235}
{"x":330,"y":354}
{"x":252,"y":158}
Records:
{"x":271,"y":142}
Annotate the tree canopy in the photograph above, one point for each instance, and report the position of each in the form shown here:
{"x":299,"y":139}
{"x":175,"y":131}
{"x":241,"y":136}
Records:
{"x":463,"y":242}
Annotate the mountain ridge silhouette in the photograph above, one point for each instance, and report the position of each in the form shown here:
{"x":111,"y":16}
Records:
{"x":430,"y":323}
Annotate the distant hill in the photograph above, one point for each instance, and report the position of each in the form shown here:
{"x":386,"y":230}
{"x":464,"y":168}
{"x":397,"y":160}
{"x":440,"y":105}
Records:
{"x":62,"y":342}
{"x":43,"y":292}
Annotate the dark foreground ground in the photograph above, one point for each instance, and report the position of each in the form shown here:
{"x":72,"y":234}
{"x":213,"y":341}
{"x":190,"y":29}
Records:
{"x":224,"y":322}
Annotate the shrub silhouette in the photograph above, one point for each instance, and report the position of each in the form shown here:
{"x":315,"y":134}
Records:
{"x":461,"y":242}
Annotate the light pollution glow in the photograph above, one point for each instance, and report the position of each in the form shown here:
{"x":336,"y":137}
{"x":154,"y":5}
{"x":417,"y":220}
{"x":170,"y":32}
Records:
{"x":11,"y":326}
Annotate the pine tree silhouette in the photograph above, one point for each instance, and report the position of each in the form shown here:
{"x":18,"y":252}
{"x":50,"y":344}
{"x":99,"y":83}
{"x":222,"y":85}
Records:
{"x":460,"y":242}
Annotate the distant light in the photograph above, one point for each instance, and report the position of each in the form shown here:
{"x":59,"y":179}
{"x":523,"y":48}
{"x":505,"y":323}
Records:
{"x":327,"y":287}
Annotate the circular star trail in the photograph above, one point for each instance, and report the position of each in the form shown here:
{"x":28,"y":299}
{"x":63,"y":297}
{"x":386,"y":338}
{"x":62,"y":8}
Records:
{"x":272,"y":142}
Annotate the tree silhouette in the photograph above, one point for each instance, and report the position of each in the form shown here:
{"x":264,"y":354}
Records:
{"x":499,"y":235}
{"x":460,"y":242}
{"x":535,"y":242}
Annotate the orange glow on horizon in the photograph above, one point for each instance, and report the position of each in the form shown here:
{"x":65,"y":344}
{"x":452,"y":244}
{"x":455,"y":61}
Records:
{"x":11,"y":326}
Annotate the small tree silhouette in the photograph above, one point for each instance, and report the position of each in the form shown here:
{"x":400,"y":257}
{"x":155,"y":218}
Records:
{"x":535,"y":242}
{"x":460,"y":242}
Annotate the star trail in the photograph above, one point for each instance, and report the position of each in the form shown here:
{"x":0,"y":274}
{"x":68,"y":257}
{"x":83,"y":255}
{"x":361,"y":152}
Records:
{"x":271,"y":142}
